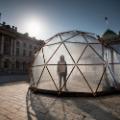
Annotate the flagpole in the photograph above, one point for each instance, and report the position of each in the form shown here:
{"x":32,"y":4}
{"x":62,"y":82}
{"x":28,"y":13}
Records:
{"x":0,"y":16}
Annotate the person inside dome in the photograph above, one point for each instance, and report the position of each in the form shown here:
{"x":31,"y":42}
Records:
{"x":62,"y":71}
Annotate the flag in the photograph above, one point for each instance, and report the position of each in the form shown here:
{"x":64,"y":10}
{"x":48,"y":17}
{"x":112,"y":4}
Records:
{"x":106,"y":20}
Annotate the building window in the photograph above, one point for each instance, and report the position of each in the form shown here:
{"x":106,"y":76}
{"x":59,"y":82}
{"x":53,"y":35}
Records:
{"x":24,"y":66}
{"x":17,"y":65}
{"x":6,"y":63}
{"x":7,"y":45}
{"x":17,"y":44}
{"x":30,"y":53}
{"x":30,"y":46}
{"x":0,"y":62}
{"x":17,"y":52}
{"x":24,"y":52}
{"x":24,"y":45}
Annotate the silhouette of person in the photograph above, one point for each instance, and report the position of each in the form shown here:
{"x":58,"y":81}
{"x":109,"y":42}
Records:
{"x":62,"y":71}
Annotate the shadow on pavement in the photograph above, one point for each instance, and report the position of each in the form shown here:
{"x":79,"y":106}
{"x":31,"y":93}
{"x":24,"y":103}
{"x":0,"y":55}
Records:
{"x":44,"y":107}
{"x":95,"y":111}
{"x":38,"y":108}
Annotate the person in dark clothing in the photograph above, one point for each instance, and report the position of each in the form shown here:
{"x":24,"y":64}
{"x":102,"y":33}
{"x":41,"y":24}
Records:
{"x":62,"y":71}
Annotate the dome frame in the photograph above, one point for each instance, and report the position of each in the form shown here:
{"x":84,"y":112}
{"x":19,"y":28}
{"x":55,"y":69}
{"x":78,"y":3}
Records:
{"x":76,"y":64}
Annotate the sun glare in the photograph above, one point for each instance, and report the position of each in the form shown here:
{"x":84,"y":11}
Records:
{"x":34,"y":27}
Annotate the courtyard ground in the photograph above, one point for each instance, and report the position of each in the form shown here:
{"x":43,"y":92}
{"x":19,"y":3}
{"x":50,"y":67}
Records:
{"x":17,"y":103}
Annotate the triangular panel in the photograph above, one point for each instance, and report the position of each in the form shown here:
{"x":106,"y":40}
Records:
{"x":90,"y":57}
{"x":76,"y":82}
{"x":75,"y":50}
{"x":38,"y":59}
{"x":116,"y":71}
{"x":116,"y":58}
{"x":36,"y":72}
{"x":54,"y":40}
{"x":49,"y":51}
{"x":68,"y":35}
{"x":46,"y":81}
{"x":55,"y":75}
{"x":77,"y":38}
{"x":92,"y":74}
{"x":91,"y":39}
{"x":107,"y":82}
{"x":61,"y":51}
{"x":116,"y":47}
{"x":98,"y":48}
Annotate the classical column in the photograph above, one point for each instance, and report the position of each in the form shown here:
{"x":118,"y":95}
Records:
{"x":2,"y":45}
{"x":14,"y":47}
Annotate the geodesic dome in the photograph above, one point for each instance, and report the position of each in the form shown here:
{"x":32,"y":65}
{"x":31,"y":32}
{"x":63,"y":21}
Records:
{"x":91,"y":67}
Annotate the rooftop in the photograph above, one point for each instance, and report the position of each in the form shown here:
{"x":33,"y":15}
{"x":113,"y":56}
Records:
{"x":13,"y":32}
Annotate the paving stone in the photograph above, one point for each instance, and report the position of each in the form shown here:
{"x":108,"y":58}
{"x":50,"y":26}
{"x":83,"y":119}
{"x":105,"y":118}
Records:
{"x":15,"y":106}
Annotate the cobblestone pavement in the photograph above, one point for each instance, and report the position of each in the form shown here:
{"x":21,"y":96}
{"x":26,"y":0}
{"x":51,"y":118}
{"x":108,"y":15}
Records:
{"x":18,"y":104}
{"x":13,"y":101}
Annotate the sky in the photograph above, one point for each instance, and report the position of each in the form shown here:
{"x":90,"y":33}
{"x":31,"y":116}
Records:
{"x":44,"y":18}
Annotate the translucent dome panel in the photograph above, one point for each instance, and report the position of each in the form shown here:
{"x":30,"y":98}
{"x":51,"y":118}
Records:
{"x":61,"y":51}
{"x":115,"y":68}
{"x":46,"y":81}
{"x":93,"y":74}
{"x":36,"y":73}
{"x":91,"y":39}
{"x":53,"y":71}
{"x":76,"y":50}
{"x":111,"y":56}
{"x":38,"y":59}
{"x":107,"y":81}
{"x":76,"y":82}
{"x":116,"y":57}
{"x":54,"y":40}
{"x":90,"y":56}
{"x":98,"y":48}
{"x":49,"y":51}
{"x":78,"y":38}
{"x":68,"y":35}
{"x":116,"y":48}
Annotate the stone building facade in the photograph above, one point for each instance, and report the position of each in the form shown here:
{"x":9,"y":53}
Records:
{"x":16,"y":50}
